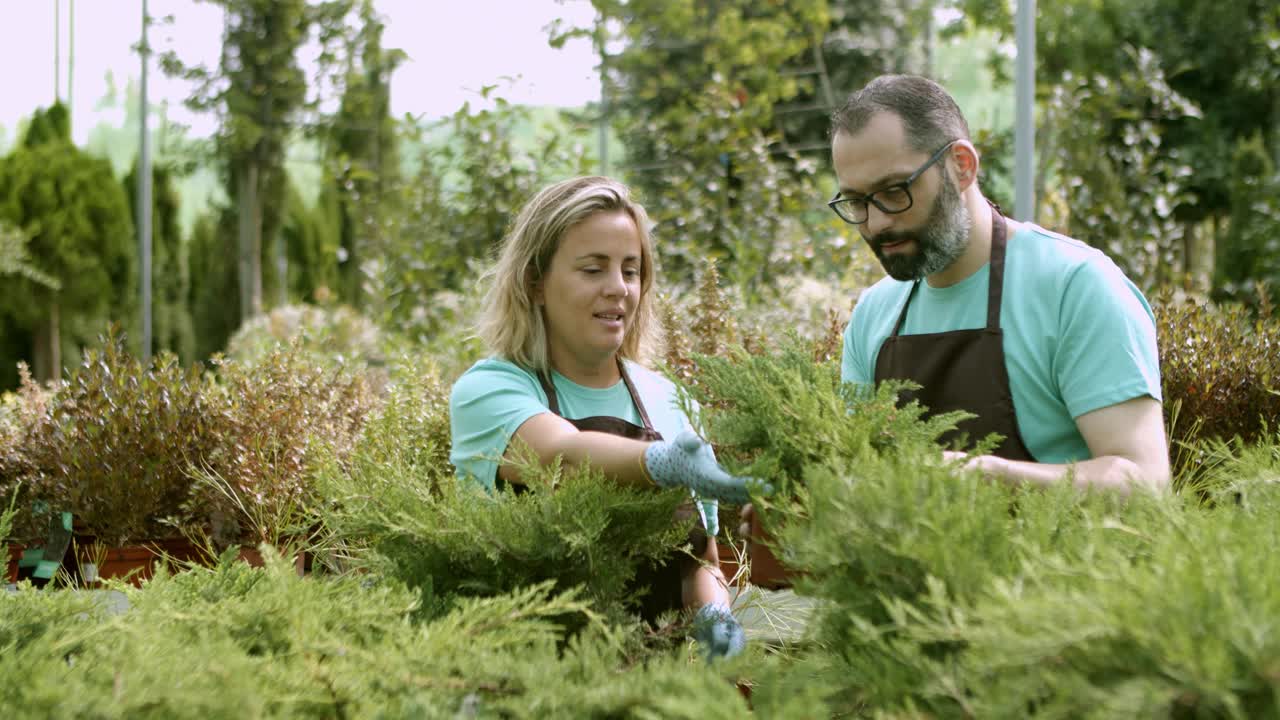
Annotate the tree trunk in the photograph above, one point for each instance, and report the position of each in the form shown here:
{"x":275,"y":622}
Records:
{"x":46,"y":355}
{"x":250,"y":240}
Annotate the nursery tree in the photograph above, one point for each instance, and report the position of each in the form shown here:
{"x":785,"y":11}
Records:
{"x":259,"y":91}
{"x":692,"y":92}
{"x":1169,"y":89}
{"x":215,"y":310}
{"x":363,"y":163}
{"x":77,"y":220}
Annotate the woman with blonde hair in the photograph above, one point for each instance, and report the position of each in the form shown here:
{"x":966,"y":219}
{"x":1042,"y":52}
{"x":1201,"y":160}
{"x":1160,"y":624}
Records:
{"x":569,"y":320}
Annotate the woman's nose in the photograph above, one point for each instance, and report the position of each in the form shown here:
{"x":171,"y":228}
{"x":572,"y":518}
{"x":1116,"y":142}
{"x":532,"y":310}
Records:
{"x":617,"y":285}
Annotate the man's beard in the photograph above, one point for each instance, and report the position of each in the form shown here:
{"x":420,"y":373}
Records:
{"x":940,"y":241}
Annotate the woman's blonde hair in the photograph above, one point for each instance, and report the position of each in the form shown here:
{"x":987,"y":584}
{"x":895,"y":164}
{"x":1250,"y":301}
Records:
{"x":511,"y":325}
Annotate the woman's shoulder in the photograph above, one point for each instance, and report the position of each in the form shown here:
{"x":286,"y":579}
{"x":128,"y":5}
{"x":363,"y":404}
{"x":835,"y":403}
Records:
{"x":491,"y":373}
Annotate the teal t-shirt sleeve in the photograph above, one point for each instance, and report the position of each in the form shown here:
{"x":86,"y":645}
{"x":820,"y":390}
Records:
{"x":1106,"y":351}
{"x":486,"y":407}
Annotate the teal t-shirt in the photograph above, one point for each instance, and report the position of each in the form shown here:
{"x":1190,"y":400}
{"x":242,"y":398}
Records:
{"x":1078,"y":335}
{"x":495,"y":397}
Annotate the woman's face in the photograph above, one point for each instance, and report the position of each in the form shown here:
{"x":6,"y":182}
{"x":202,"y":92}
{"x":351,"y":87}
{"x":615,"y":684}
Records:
{"x":590,"y":292}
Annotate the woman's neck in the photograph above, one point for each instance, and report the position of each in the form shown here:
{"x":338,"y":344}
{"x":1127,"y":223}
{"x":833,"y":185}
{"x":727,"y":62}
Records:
{"x":601,"y":374}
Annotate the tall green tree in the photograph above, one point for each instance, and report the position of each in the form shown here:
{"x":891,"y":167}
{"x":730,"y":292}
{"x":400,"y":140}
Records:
{"x":215,"y":311}
{"x":259,"y":91}
{"x":694,"y":90}
{"x":363,"y":163}
{"x":80,"y":234}
{"x":1164,"y":92}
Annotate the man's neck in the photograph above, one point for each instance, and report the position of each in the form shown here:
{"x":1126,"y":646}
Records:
{"x":978,"y":253}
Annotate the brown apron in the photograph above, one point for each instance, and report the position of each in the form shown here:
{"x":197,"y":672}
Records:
{"x":663,"y":580}
{"x":961,"y":369}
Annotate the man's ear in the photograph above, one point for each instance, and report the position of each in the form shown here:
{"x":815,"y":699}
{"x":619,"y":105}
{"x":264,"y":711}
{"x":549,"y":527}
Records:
{"x":965,"y":164}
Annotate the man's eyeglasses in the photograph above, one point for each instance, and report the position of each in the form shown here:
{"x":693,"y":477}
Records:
{"x":891,"y":200}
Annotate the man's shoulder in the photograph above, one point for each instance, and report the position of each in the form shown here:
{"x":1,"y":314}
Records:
{"x":1052,"y":250}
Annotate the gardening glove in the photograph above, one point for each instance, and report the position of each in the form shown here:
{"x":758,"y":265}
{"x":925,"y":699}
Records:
{"x":688,"y":462}
{"x":718,"y":632}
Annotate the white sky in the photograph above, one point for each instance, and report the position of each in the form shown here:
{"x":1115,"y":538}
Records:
{"x":454,"y":46}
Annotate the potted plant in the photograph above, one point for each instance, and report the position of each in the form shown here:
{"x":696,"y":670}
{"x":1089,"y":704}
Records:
{"x":148,"y":457}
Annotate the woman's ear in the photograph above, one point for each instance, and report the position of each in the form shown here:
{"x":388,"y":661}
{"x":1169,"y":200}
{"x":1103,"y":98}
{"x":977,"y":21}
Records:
{"x":964,"y":159}
{"x":535,"y":288}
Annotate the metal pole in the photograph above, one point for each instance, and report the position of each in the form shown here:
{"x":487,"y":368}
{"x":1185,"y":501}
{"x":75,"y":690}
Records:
{"x":1025,"y":122}
{"x":144,"y":196}
{"x":57,"y":50}
{"x":604,"y":98}
{"x":71,"y":53}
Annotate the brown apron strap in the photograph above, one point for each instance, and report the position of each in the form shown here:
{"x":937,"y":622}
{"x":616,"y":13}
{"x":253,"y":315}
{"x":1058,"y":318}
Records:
{"x":902,"y":316}
{"x":635,"y":396}
{"x":553,"y":402}
{"x":995,"y":282}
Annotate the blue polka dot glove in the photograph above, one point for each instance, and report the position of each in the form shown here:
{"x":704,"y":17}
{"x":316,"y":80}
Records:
{"x":688,"y":462}
{"x":718,"y":632}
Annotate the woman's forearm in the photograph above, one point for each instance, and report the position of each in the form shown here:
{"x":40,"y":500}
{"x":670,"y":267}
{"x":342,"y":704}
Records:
{"x":548,"y":436}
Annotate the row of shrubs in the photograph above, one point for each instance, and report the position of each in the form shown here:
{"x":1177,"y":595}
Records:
{"x":139,"y":451}
{"x":939,"y":596}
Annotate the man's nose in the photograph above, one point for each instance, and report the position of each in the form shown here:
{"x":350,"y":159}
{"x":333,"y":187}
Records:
{"x":877,"y":221}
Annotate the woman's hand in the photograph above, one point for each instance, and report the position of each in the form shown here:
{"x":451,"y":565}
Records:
{"x":688,"y":462}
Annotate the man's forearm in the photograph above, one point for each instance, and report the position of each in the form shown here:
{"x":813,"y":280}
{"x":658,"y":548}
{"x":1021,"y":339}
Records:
{"x":1109,"y":472}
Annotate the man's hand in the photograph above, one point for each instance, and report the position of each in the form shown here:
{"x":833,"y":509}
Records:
{"x":718,"y":632}
{"x":688,"y":462}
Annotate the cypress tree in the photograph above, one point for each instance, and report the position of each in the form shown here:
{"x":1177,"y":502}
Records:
{"x":80,"y":232}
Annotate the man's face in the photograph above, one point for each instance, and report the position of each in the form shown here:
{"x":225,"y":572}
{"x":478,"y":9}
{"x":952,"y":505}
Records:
{"x":930,"y":235}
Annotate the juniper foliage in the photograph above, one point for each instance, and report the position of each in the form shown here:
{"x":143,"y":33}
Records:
{"x":235,"y":642}
{"x":450,"y":538}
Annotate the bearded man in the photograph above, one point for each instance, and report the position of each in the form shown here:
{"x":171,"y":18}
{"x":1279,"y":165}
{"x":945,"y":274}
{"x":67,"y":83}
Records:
{"x":1040,"y":336}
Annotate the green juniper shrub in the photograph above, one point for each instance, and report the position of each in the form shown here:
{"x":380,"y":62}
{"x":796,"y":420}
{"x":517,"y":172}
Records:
{"x":233,"y":641}
{"x":113,"y":442}
{"x":410,"y":428}
{"x":894,"y":544}
{"x":1178,"y":630}
{"x":773,"y":414}
{"x":1220,"y":373}
{"x":451,"y":539}
{"x":403,"y":447}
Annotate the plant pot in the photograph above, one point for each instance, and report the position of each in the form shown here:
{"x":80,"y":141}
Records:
{"x":137,"y":562}
{"x":766,"y":570}
{"x":301,"y":561}
{"x":15,"y":554}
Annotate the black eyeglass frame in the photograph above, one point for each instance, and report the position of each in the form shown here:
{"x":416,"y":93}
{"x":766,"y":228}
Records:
{"x":904,"y":186}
